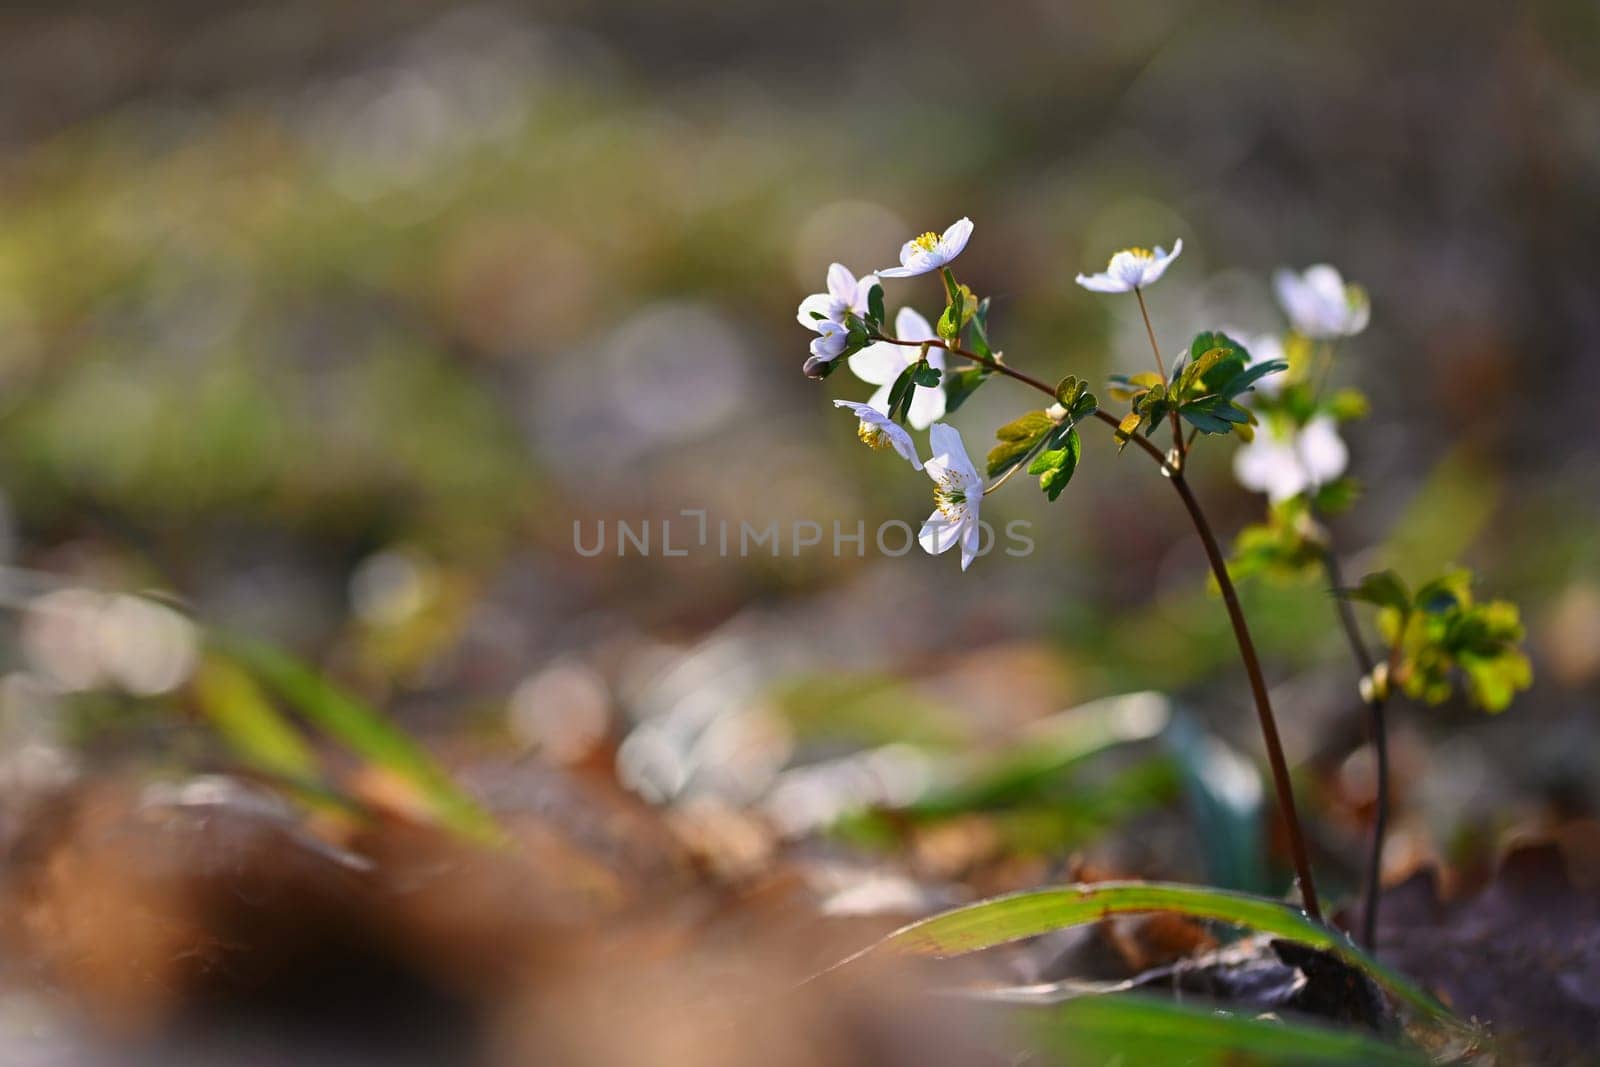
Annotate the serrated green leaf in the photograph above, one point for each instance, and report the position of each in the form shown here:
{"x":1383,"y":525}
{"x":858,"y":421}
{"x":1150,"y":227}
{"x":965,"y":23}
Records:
{"x":1059,"y":460}
{"x":1018,"y":439}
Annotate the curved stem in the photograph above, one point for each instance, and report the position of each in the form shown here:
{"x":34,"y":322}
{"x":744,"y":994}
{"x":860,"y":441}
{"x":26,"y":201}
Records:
{"x":1258,"y":688}
{"x":1241,"y":629}
{"x":1372,"y":877}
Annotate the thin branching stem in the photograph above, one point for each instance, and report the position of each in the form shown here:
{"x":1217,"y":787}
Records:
{"x":1376,"y":691}
{"x":1230,"y":597}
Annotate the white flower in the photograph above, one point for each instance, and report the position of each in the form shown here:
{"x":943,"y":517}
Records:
{"x":877,"y":431}
{"x":957,"y":493}
{"x":1319,"y":303}
{"x":1263,"y":348}
{"x":880,"y":364}
{"x":846,"y":293}
{"x":1284,"y":468}
{"x":1132,"y":268}
{"x":930,"y":251}
{"x":830,"y":341}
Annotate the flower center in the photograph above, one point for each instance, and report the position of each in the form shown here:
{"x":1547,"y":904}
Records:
{"x":950,"y":497}
{"x":927,"y":241}
{"x":1136,"y":253}
{"x":872,"y":436}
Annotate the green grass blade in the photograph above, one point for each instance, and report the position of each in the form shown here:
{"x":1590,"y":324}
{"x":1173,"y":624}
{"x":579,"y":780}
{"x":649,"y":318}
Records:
{"x":1021,"y":915}
{"x":1152,"y":1032}
{"x":248,"y":723}
{"x":364,"y":731}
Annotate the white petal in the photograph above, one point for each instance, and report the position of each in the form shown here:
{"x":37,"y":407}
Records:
{"x":864,"y":285}
{"x":881,"y":362}
{"x":821,"y":303}
{"x":905,"y":446}
{"x":842,"y":284}
{"x":1322,"y":451}
{"x":879,"y":401}
{"x":1158,"y":266}
{"x":927,"y":407}
{"x":971,"y":541}
{"x":909,"y":325}
{"x":955,"y":238}
{"x":1102,"y":283}
{"x":1268,"y":466}
{"x":938,"y":534}
{"x":945,"y":442}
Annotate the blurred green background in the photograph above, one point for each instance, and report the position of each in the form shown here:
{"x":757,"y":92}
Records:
{"x":331,"y":321}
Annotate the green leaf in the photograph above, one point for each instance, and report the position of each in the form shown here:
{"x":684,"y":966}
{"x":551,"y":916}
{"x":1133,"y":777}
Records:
{"x":960,"y":384}
{"x":1385,"y":589}
{"x":365,"y":732}
{"x":1018,"y":439}
{"x":949,"y":325}
{"x":875,"y":309}
{"x":1204,"y":421}
{"x":1069,"y":389}
{"x":1056,"y":464}
{"x":1094,"y":1031}
{"x":1220,"y":369}
{"x":924,"y":374}
{"x":1248,"y":377}
{"x":902,"y":392}
{"x":1001,"y":920}
{"x":980,"y":330}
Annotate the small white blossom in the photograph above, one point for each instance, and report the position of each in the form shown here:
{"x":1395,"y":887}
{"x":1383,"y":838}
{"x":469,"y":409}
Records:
{"x":1132,"y":268}
{"x":1286,"y":467}
{"x":830,"y":341}
{"x":1320,"y":304}
{"x":957,"y":494}
{"x":877,"y":431}
{"x":930,"y":251}
{"x":880,"y":364}
{"x":846,"y":293}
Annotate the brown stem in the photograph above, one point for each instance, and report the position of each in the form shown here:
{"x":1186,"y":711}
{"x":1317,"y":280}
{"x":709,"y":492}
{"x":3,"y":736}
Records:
{"x":1035,"y":383}
{"x":1372,"y":880}
{"x":1241,"y":629}
{"x":1258,"y":688}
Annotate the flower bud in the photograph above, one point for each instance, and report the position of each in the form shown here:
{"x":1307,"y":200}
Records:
{"x":816,"y":368}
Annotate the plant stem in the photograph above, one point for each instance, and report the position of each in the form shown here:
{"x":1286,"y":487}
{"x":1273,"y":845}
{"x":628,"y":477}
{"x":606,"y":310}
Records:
{"x":1258,"y":688}
{"x":1241,"y":629}
{"x":1372,"y":880}
{"x":1177,"y":427}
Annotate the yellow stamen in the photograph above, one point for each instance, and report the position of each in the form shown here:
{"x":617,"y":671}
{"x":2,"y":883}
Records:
{"x":872,"y":436}
{"x":1136,"y":253}
{"x":927,"y":241}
